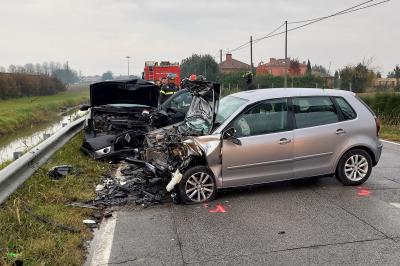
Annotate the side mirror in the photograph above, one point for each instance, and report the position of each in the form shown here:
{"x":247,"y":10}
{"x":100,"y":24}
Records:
{"x":230,"y":135}
{"x":84,"y":107}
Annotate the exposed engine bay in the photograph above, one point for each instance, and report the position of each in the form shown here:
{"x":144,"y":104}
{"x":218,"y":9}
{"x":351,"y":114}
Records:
{"x":113,"y":122}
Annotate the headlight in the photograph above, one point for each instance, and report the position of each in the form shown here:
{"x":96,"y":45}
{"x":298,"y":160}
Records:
{"x":103,"y":151}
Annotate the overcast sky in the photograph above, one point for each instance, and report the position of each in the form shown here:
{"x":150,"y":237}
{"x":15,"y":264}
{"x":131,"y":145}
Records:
{"x":96,"y":35}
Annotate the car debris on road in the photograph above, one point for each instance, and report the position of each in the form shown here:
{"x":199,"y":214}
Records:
{"x":60,"y":171}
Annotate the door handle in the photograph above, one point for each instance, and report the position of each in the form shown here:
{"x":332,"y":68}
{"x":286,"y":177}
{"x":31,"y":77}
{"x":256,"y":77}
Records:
{"x":340,"y":131}
{"x":284,"y":141}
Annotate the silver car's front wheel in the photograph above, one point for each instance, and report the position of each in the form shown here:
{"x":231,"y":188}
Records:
{"x":354,"y":167}
{"x":197,"y":185}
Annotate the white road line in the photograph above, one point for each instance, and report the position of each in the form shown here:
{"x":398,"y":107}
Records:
{"x":102,"y":242}
{"x":395,"y":204}
{"x":391,"y":142}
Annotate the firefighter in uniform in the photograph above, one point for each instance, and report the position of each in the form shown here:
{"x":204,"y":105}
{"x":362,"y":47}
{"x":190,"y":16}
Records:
{"x":168,"y":89}
{"x":248,"y":77}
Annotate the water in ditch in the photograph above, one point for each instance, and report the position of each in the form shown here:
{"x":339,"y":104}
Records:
{"x":26,"y":138}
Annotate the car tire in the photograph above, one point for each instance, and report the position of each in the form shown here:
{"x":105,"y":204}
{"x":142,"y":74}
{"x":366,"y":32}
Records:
{"x":354,"y":167}
{"x":197,"y":185}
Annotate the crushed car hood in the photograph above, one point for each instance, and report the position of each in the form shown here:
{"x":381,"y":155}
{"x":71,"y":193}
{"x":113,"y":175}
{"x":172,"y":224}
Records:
{"x":134,"y":91}
{"x":205,"y":101}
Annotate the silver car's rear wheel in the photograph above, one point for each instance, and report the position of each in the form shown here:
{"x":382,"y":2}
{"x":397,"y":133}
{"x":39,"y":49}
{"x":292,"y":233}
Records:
{"x":354,"y":167}
{"x":197,"y":185}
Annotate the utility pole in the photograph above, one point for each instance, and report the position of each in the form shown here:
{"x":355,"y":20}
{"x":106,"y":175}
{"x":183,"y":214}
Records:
{"x":251,"y":54}
{"x":286,"y":63}
{"x":128,"y":57}
{"x":220,"y":56}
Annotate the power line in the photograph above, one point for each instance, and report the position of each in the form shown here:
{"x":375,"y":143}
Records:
{"x":337,"y":13}
{"x":247,"y":44}
{"x":240,"y":47}
{"x":326,"y":17}
{"x":272,"y":32}
{"x":310,"y":21}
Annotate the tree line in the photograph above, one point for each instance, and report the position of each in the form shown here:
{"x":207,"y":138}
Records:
{"x":14,"y":85}
{"x":63,"y":72}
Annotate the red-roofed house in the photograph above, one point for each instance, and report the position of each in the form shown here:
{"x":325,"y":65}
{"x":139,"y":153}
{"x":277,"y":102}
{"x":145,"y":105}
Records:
{"x":276,"y":67}
{"x":231,"y":65}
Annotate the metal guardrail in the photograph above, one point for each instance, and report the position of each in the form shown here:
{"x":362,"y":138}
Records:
{"x":15,"y":174}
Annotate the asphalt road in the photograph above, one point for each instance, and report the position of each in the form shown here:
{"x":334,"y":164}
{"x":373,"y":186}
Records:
{"x":306,"y":222}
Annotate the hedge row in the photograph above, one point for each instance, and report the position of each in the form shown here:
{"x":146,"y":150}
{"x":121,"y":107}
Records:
{"x":18,"y":85}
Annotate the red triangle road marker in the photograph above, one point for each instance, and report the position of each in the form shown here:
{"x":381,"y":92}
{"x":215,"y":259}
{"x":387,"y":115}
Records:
{"x":218,"y":208}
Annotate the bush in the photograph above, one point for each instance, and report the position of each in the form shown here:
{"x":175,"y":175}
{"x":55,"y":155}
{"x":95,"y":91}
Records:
{"x":386,"y":106}
{"x":18,"y":84}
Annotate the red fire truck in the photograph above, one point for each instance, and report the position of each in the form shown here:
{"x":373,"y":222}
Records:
{"x":155,"y":71}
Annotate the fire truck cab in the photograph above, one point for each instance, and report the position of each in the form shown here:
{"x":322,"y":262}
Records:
{"x":155,"y":71}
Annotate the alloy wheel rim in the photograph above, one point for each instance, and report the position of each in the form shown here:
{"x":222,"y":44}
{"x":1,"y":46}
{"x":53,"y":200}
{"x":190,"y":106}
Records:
{"x":356,"y":167}
{"x":199,"y":187}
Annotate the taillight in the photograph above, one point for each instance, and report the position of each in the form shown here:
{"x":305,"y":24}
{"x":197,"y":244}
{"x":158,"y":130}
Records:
{"x":378,"y":125}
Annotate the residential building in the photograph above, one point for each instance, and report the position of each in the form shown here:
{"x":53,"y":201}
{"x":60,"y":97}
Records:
{"x":231,"y":65}
{"x":385,"y":83}
{"x":276,"y":67}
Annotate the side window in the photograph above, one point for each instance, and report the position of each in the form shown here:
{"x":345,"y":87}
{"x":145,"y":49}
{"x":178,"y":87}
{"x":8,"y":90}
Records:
{"x":347,"y":111}
{"x":314,"y":111}
{"x":181,"y":102}
{"x":266,"y":117}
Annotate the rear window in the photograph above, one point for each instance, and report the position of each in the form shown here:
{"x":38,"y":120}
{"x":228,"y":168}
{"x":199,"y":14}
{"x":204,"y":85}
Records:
{"x":314,"y":111}
{"x":347,"y":111}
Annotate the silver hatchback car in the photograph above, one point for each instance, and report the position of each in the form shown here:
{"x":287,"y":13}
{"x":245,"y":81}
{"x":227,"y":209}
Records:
{"x":271,"y":135}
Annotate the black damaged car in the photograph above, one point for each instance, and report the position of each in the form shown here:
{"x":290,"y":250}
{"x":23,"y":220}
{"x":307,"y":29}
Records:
{"x":122,"y":112}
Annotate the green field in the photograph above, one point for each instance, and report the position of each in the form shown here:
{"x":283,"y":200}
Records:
{"x":36,"y":243}
{"x":28,"y":111}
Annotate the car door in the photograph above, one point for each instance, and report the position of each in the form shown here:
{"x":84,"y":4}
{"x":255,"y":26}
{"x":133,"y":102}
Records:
{"x":318,"y":134}
{"x":266,"y":145}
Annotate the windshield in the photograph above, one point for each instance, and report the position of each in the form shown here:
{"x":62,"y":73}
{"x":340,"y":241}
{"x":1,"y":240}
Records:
{"x":227,"y":106}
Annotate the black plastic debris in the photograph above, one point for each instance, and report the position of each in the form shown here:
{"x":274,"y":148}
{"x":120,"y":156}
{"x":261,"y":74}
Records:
{"x":60,"y":171}
{"x":135,"y":182}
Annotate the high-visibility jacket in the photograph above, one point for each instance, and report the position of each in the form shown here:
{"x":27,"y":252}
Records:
{"x":166,"y":91}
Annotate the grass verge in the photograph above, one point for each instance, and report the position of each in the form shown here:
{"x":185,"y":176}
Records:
{"x":35,"y":243}
{"x":4,"y":164}
{"x":26,"y":111}
{"x":390,"y":132}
